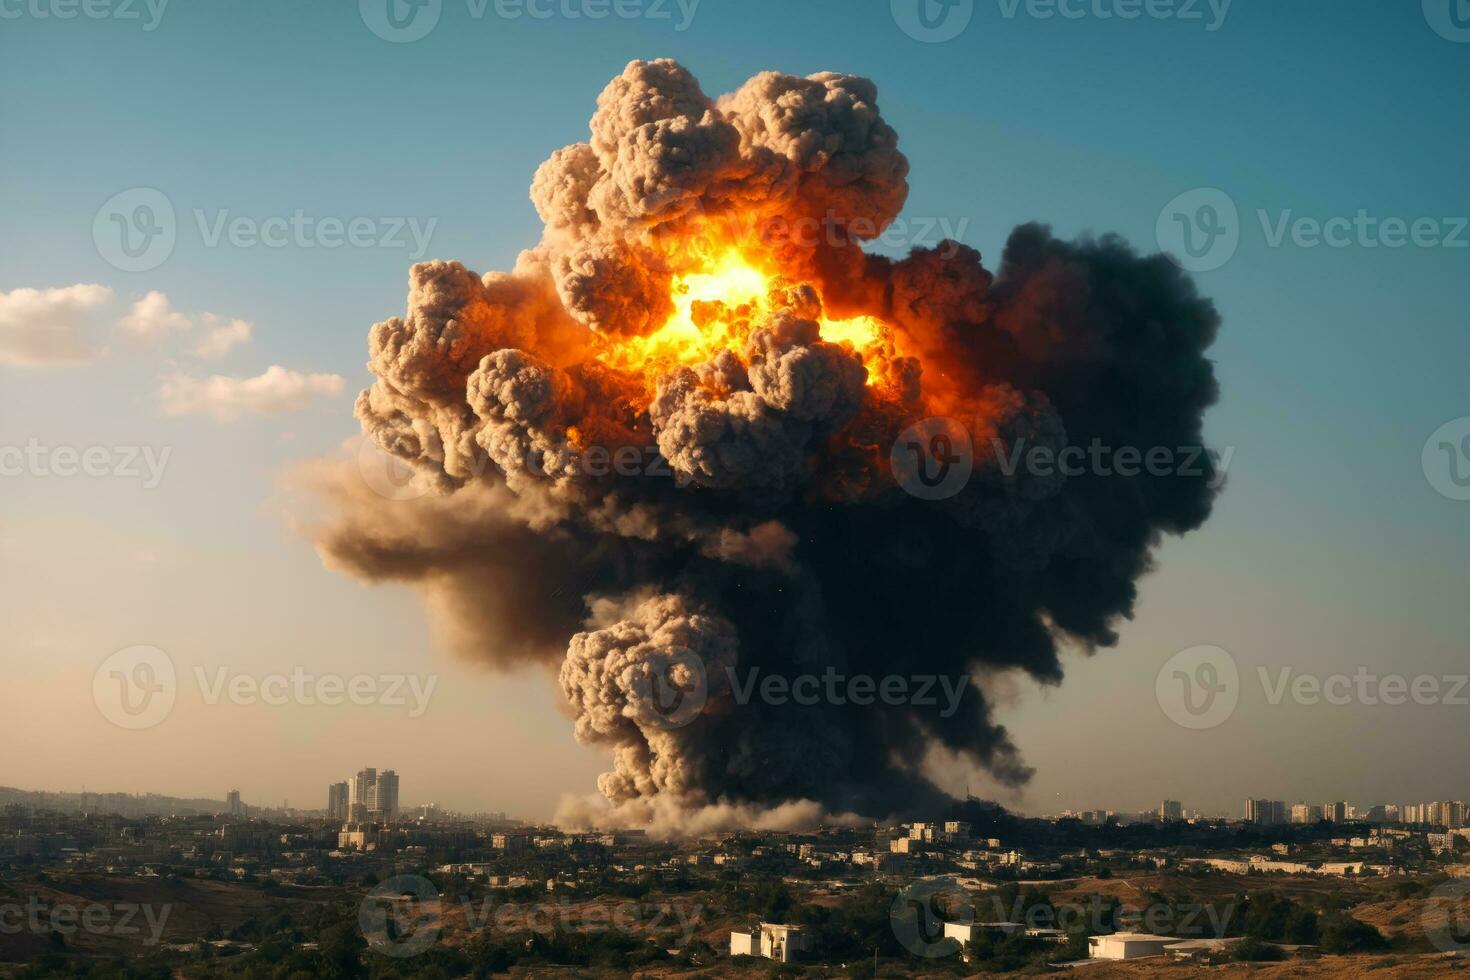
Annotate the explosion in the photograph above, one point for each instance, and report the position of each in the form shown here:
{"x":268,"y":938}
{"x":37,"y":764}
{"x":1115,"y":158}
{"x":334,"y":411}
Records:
{"x":714,"y":310}
{"x":663,"y":452}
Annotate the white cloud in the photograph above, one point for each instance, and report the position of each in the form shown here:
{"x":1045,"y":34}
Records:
{"x":39,"y":326}
{"x":222,"y":336}
{"x":225,"y":399}
{"x":152,"y":318}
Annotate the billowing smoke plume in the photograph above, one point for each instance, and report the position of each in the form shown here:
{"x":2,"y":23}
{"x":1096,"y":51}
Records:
{"x":663,"y":494}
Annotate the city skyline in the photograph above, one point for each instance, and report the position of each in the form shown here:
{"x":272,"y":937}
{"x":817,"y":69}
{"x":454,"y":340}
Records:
{"x":1441,"y":811}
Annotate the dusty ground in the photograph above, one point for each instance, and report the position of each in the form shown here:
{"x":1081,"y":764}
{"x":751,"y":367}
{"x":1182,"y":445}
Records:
{"x":1348,"y":967}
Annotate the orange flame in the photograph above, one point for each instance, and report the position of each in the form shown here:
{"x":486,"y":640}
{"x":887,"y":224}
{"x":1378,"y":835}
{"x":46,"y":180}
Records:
{"x":718,"y":304}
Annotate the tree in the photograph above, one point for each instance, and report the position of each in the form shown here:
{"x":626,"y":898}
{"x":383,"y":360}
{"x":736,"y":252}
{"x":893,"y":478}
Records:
{"x":1253,"y":950}
{"x":1301,"y":927}
{"x":1341,"y":933}
{"x":341,"y":949}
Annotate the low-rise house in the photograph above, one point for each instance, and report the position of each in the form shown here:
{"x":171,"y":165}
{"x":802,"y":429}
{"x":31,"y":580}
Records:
{"x":1128,"y":945}
{"x":771,"y":940}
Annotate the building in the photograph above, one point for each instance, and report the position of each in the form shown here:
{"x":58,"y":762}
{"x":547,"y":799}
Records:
{"x":773,"y":941}
{"x":387,"y":796}
{"x":1337,"y":811}
{"x":338,"y":796}
{"x":965,"y":933}
{"x":510,"y":842}
{"x":1171,"y":811}
{"x":233,"y":804}
{"x":781,"y":943}
{"x":1305,"y":813}
{"x":1196,"y":950}
{"x":365,"y":837}
{"x":364,"y":788}
{"x":1128,"y":945}
{"x":373,"y":796}
{"x":1265,"y":811}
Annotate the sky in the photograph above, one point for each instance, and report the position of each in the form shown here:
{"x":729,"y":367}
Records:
{"x":271,"y":129}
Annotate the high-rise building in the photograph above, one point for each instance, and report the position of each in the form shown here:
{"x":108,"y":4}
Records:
{"x":234,"y":804}
{"x":1305,"y":813}
{"x":1171,"y":810}
{"x":1265,"y":811}
{"x":373,"y":795}
{"x":386,"y":797}
{"x":1336,"y":812}
{"x":364,"y":791}
{"x":338,"y":798}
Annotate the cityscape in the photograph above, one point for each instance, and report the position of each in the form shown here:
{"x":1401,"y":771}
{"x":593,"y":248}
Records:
{"x":722,"y":489}
{"x":250,"y":889}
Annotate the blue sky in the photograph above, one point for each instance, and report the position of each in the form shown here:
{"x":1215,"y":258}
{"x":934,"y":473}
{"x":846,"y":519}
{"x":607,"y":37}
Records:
{"x":1330,"y":549}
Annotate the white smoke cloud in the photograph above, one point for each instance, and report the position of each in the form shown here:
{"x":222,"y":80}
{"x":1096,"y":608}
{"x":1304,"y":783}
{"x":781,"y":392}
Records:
{"x":226,"y":399}
{"x":665,"y":817}
{"x":40,"y":326}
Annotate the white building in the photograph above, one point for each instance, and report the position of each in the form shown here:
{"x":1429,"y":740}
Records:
{"x":1128,"y":945}
{"x":772,"y":941}
{"x":965,"y":933}
{"x":781,"y":943}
